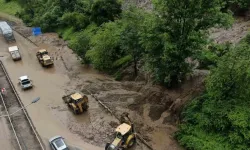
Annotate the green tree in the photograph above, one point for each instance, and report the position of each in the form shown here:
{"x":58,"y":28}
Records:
{"x":130,"y":36}
{"x":105,"y":46}
{"x":180,"y":32}
{"x":81,"y":42}
{"x":221,"y":115}
{"x":105,"y":10}
{"x":75,"y":19}
{"x":236,"y":4}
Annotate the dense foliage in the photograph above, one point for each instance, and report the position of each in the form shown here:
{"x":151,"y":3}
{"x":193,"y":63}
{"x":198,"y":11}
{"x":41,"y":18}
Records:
{"x":179,"y":33}
{"x":109,"y":38}
{"x":164,"y":38}
{"x":236,"y":5}
{"x":12,"y":7}
{"x":220,"y":118}
{"x":53,"y":14}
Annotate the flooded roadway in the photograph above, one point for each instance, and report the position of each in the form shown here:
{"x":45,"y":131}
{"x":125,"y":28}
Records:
{"x":48,"y":85}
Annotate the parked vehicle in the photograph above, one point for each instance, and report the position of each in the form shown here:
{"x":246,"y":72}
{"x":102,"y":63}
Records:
{"x":7,"y":32}
{"x":57,"y":143}
{"x":25,"y":82}
{"x":14,"y":52}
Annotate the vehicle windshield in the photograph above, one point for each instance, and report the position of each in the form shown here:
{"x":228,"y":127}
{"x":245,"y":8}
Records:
{"x":44,"y":53}
{"x":26,"y":81}
{"x":8,"y":35}
{"x":79,"y":100}
{"x":59,"y":143}
{"x":48,"y":61}
{"x":119,"y":135}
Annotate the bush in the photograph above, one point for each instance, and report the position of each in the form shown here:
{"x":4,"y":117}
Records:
{"x":122,"y":61}
{"x":247,"y":39}
{"x":105,"y":10}
{"x":68,"y":33}
{"x":105,"y":46}
{"x":208,"y":57}
{"x":75,"y":19}
{"x":80,"y":43}
{"x":9,"y":7}
{"x":118,"y":76}
{"x":220,"y":118}
{"x":50,"y":20}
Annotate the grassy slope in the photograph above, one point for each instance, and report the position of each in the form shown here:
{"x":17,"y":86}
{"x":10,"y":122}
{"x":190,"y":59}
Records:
{"x":9,"y":8}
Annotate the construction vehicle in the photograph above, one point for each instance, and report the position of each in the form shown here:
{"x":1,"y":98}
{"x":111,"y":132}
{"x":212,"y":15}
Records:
{"x":14,"y":52}
{"x":125,"y":136}
{"x":44,"y":58}
{"x":76,"y":102}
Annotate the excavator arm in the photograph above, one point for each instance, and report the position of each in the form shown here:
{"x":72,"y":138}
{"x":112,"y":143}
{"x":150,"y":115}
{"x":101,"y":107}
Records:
{"x":125,"y":118}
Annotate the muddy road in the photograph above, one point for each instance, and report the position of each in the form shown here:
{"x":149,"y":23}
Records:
{"x":18,"y":121}
{"x":90,"y":130}
{"x":49,"y":86}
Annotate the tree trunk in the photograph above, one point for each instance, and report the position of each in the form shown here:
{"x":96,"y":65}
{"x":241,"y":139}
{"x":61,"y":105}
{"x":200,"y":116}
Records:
{"x":135,"y":67}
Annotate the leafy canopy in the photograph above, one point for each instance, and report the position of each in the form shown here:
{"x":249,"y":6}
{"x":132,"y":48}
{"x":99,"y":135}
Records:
{"x":179,"y":32}
{"x":220,"y":118}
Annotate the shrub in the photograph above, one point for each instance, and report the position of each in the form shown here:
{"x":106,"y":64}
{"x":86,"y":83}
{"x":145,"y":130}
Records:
{"x":75,"y":19}
{"x":105,"y":46}
{"x":80,"y":43}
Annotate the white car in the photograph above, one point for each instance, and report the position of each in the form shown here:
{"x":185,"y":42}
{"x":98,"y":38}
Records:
{"x":57,"y":143}
{"x":25,"y":82}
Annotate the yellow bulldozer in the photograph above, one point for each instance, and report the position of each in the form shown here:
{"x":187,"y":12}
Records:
{"x":44,"y":58}
{"x":76,"y":102}
{"x":125,"y":136}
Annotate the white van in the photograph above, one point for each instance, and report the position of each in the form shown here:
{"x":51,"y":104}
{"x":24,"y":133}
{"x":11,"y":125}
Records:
{"x":14,"y":52}
{"x":7,"y":32}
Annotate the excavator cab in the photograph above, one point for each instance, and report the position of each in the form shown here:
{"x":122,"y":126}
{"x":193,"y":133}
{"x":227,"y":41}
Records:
{"x":77,"y":102}
{"x":44,"y":58}
{"x":42,"y":52}
{"x":125,"y":136}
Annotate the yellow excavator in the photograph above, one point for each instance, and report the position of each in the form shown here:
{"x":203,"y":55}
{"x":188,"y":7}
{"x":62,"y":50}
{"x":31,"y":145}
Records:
{"x":76,"y":102}
{"x":44,"y":58}
{"x":125,"y":135}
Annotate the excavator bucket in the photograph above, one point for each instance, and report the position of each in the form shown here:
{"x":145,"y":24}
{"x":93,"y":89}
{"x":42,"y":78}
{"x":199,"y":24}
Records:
{"x":66,"y":98}
{"x":77,"y":102}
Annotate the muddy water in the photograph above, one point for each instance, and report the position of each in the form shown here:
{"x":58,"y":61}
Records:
{"x":49,"y":86}
{"x":163,"y":142}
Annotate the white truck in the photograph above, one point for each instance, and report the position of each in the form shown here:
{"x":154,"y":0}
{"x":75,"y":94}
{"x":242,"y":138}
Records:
{"x":14,"y":52}
{"x":7,"y":32}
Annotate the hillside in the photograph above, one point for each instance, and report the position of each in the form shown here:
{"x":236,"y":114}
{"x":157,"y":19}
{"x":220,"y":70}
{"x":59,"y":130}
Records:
{"x":173,"y":68}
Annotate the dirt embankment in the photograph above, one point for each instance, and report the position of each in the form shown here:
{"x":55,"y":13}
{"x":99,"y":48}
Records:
{"x":233,"y":35}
